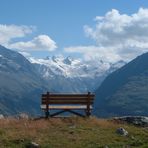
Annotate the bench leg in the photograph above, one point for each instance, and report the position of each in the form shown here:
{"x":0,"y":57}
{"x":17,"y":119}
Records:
{"x":88,"y":113}
{"x":76,"y":113}
{"x":57,"y":113}
{"x":67,"y":110}
{"x":47,"y":114}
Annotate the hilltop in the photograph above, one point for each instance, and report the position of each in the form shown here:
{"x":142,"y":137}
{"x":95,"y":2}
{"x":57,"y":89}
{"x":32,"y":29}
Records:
{"x":71,"y":132}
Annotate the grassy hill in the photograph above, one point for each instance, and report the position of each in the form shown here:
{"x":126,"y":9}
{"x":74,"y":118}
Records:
{"x":71,"y":132}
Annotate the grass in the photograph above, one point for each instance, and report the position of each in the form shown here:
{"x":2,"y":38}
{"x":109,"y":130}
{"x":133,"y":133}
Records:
{"x":71,"y":132}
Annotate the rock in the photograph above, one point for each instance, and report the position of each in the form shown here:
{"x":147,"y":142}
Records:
{"x":122,"y":131}
{"x":132,"y":137}
{"x":32,"y":145}
{"x":136,"y":120}
{"x":2,"y":116}
{"x":23,"y":116}
{"x":72,"y":126}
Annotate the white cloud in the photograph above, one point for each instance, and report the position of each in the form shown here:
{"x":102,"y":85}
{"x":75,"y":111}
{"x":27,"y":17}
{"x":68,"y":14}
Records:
{"x":9,"y":32}
{"x":39,"y":43}
{"x":117,"y":36}
{"x":120,"y":29}
{"x":92,"y":53}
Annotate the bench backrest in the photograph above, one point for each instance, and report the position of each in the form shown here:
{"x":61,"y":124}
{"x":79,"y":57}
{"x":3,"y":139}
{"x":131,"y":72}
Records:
{"x":59,"y":99}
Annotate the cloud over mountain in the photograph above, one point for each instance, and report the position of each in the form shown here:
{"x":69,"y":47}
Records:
{"x":117,"y":36}
{"x":39,"y":43}
{"x":9,"y":32}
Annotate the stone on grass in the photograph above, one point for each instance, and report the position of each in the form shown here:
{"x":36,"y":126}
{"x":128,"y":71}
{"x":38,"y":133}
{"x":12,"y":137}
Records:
{"x":136,"y":120}
{"x":2,"y":116}
{"x":34,"y":144}
{"x":72,"y":126}
{"x":122,"y":131}
{"x":23,"y":116}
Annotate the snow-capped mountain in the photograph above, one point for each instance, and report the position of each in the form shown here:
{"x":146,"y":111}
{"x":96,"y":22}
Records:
{"x":74,"y":75}
{"x":22,"y":82}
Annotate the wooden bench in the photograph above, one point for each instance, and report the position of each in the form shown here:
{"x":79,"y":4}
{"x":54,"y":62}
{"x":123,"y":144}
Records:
{"x":67,"y":103}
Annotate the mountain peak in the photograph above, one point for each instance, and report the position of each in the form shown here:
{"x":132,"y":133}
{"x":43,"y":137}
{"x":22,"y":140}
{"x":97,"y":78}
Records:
{"x":67,"y":60}
{"x":54,"y":58}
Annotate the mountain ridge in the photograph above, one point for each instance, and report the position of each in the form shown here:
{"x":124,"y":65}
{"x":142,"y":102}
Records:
{"x":124,"y":92}
{"x":82,"y":76}
{"x":23,"y":82}
{"x":20,"y":85}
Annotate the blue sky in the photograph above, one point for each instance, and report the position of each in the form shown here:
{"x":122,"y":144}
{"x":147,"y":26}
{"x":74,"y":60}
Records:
{"x":61,"y":20}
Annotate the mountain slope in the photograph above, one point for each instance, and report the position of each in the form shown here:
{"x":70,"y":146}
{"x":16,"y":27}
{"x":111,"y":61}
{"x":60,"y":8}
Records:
{"x":20,"y":85}
{"x":125,"y":91}
{"x":22,"y":82}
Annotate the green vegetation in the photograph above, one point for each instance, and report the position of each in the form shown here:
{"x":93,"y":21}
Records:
{"x":71,"y":132}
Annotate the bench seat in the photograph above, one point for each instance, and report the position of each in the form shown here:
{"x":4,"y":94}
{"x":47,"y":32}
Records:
{"x":59,"y":107}
{"x":78,"y":104}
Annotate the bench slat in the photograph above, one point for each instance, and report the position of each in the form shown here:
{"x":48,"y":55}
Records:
{"x":67,"y":95}
{"x":64,"y":99}
{"x":56,"y":107}
{"x":66,"y":102}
